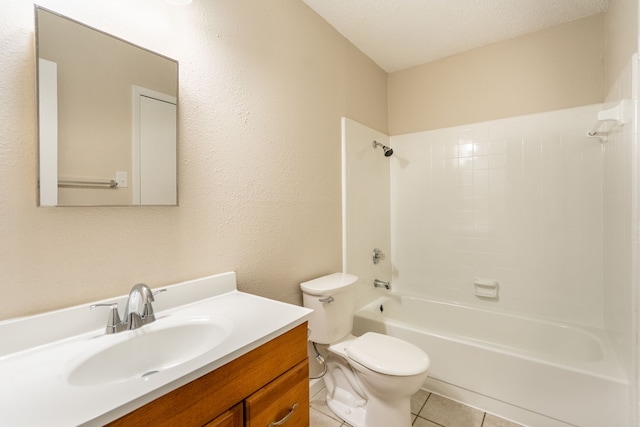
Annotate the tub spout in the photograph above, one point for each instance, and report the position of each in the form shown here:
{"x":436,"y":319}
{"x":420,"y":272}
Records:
{"x":380,"y":284}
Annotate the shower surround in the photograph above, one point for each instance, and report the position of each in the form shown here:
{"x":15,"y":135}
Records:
{"x":516,"y":200}
{"x":529,"y":202}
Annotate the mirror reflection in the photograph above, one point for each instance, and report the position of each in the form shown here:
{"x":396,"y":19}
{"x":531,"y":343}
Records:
{"x":107,"y":118}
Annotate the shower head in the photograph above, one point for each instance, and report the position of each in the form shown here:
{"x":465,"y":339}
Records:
{"x":387,"y":151}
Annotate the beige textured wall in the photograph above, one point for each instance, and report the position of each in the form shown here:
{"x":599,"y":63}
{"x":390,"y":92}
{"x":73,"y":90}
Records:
{"x":556,"y":68}
{"x":263,"y":85}
{"x":621,"y":38}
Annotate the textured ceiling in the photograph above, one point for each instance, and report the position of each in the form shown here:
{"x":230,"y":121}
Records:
{"x":399,"y":34}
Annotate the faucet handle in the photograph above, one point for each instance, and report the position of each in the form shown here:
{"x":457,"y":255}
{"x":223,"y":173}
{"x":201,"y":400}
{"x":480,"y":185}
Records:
{"x":114,"y":322}
{"x":154,"y":293}
{"x":148,"y":315}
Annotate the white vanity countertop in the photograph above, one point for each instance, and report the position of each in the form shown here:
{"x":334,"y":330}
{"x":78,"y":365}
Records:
{"x":38,"y":352}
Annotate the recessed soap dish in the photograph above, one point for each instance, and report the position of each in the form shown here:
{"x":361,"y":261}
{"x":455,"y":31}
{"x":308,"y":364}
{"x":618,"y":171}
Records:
{"x":486,"y":288}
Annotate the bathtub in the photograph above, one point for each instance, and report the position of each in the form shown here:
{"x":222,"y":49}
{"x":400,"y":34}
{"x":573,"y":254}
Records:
{"x":534,"y":372}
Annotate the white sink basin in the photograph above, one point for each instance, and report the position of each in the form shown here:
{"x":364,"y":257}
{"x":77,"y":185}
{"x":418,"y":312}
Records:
{"x":63,"y":363}
{"x":147,"y":351}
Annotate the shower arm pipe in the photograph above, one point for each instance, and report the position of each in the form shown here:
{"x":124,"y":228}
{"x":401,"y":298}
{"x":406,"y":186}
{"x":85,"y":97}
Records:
{"x":614,"y":114}
{"x":388,"y":151}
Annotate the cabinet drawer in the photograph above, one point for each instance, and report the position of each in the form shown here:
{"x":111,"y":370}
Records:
{"x":276,"y":400}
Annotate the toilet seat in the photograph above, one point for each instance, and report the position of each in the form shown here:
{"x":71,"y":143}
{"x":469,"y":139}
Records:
{"x":388,"y":355}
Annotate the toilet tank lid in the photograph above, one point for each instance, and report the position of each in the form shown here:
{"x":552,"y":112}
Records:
{"x":325,"y":285}
{"x":388,"y":355}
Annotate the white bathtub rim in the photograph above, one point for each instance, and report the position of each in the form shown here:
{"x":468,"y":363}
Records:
{"x":607,"y":368}
{"x":594,"y":330}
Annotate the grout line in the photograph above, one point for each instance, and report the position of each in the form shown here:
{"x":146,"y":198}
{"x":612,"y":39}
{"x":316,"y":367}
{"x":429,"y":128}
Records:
{"x":344,"y":424}
{"x":423,"y":405}
{"x":427,"y":419}
{"x":432,"y":422}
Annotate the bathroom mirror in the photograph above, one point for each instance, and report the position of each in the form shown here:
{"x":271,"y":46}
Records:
{"x":107,"y":118}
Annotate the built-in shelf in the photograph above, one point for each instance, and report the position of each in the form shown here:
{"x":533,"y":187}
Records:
{"x":614,"y":115}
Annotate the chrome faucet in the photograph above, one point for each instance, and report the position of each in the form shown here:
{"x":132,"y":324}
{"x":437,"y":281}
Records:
{"x":138,"y":312}
{"x":380,"y":284}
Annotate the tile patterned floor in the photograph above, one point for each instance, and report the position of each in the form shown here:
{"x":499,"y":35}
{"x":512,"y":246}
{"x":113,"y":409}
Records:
{"x":428,"y":409}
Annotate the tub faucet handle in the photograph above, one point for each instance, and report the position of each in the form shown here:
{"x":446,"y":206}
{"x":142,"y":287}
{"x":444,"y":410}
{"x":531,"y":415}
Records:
{"x":377,"y":255}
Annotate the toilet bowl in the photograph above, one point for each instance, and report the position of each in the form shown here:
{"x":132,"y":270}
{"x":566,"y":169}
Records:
{"x":369,"y":379}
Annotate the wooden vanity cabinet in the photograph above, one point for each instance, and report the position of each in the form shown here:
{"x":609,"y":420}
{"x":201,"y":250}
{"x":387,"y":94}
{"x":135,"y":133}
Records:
{"x":256,"y":389}
{"x":285,"y":399}
{"x":233,"y":417}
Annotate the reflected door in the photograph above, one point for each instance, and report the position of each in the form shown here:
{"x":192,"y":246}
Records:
{"x":154,"y":159}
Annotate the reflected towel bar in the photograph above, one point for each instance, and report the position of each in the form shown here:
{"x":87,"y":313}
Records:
{"x":110,"y":183}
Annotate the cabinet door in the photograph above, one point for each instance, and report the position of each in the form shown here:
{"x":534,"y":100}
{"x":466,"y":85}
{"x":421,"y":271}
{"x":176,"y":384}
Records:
{"x":284,"y":401}
{"x":232,"y":418}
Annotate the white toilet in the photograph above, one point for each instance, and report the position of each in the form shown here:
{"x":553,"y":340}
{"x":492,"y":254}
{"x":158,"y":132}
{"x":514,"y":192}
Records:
{"x":369,"y":379}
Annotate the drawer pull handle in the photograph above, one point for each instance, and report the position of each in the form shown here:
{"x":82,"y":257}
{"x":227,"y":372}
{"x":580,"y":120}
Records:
{"x":286,"y":417}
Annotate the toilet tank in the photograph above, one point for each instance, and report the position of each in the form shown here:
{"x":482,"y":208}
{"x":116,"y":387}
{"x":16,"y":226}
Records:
{"x":332,"y":299}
